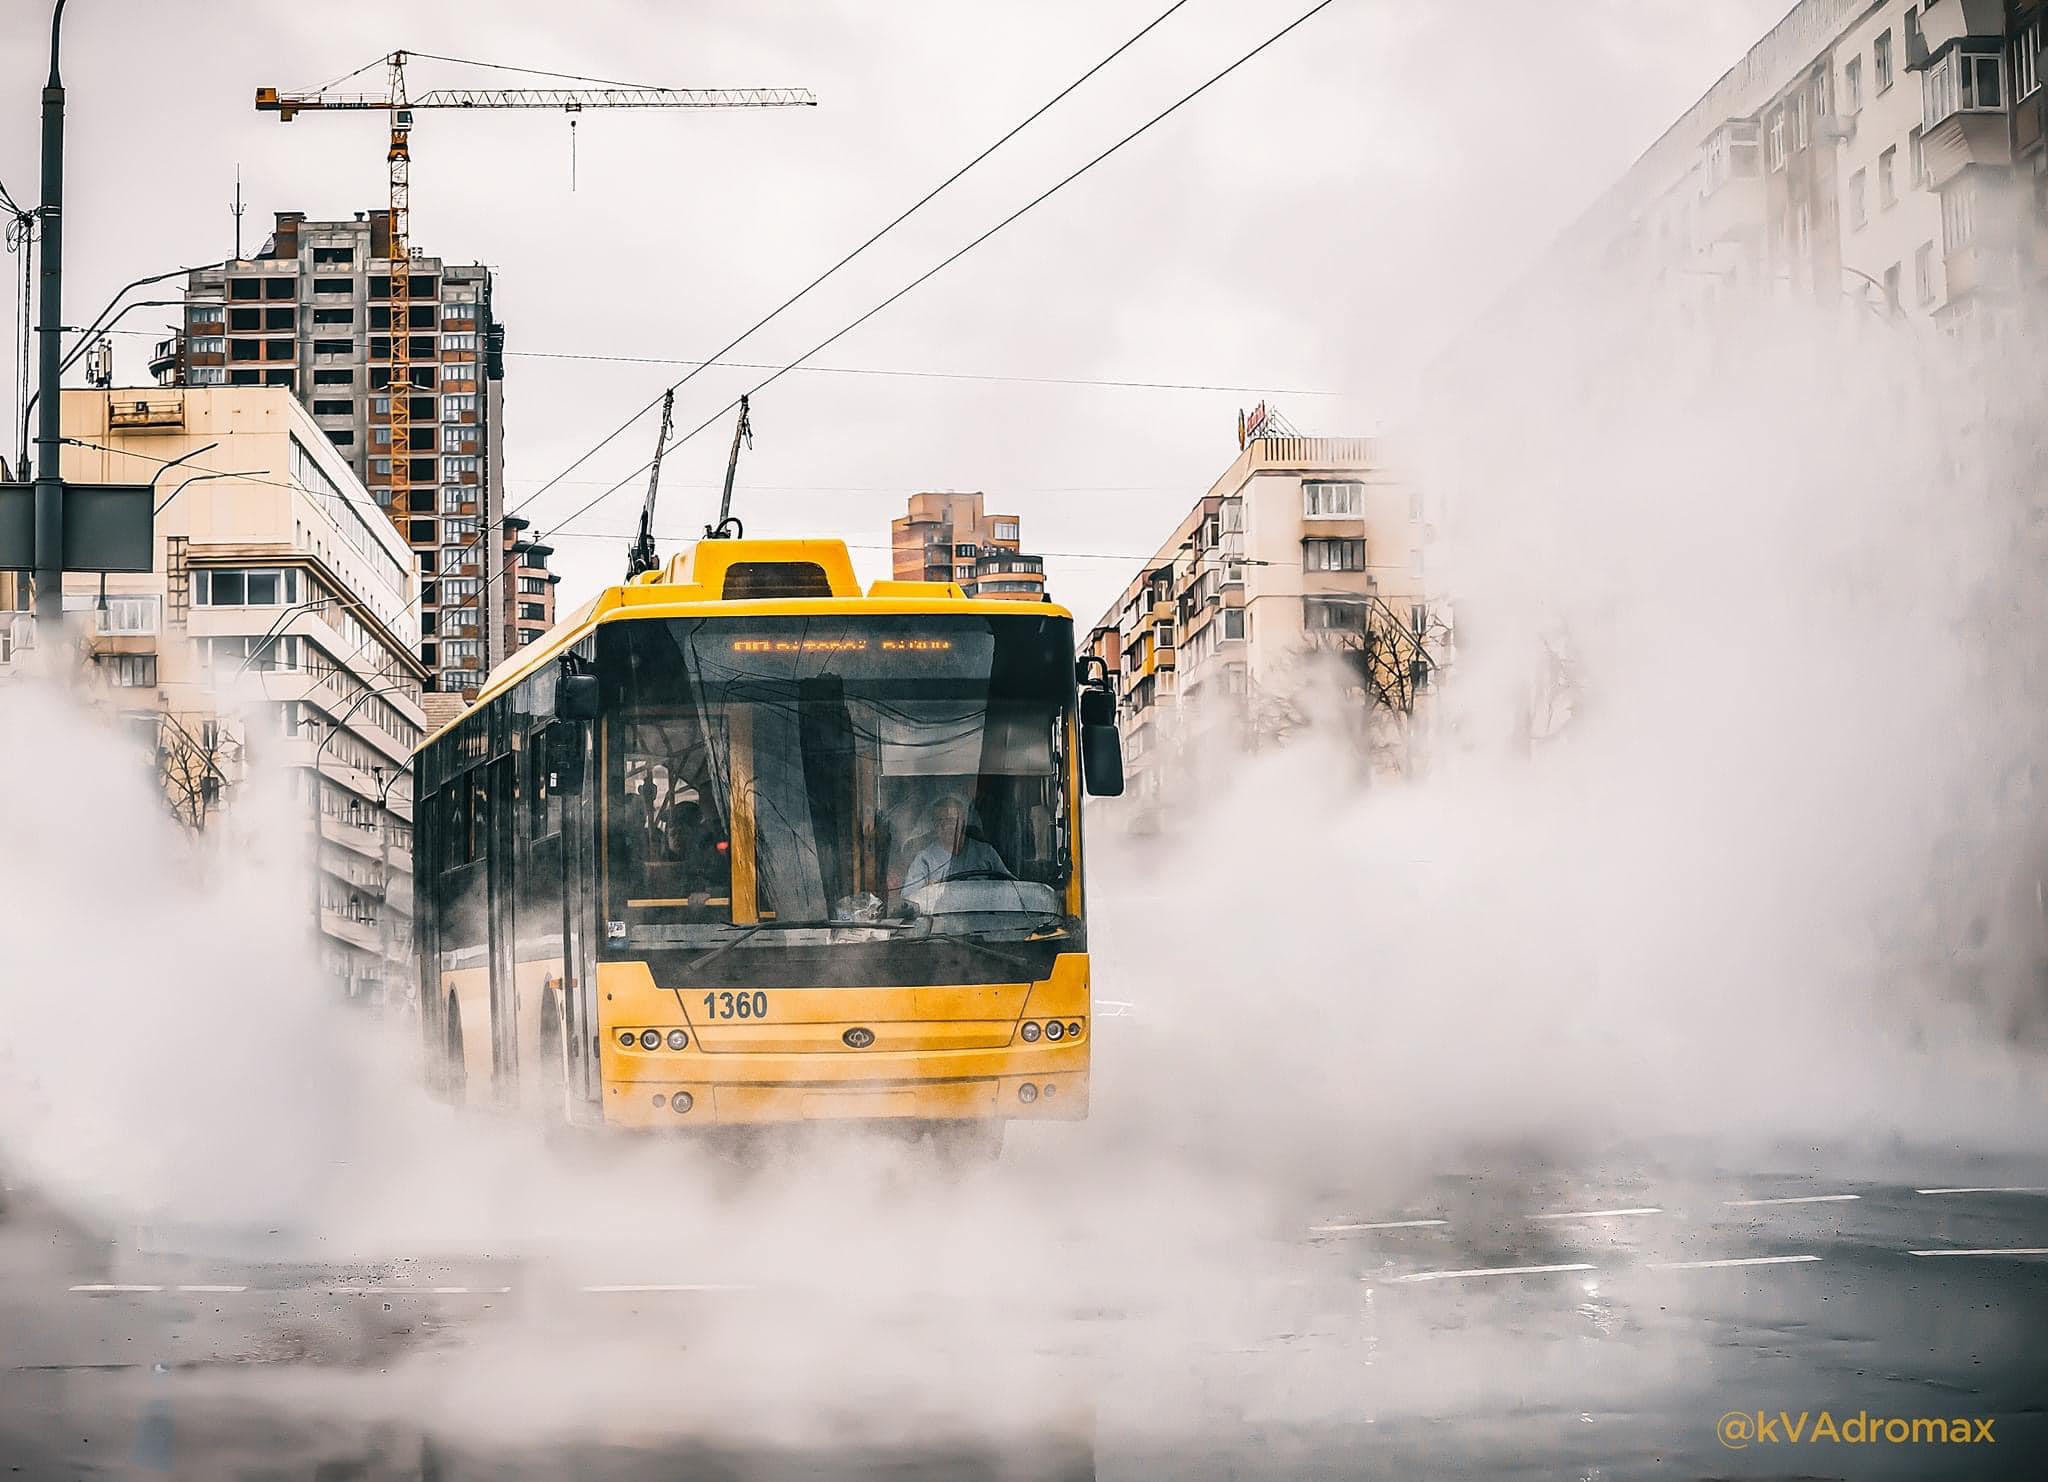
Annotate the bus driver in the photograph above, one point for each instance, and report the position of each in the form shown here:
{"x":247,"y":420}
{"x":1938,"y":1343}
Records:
{"x":952,"y":855}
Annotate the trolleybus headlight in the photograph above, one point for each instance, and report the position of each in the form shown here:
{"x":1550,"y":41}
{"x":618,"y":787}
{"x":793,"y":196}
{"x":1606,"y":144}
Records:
{"x":677,"y":1039}
{"x":1074,"y":1030}
{"x":1055,"y":1029}
{"x":1027,"y":1093}
{"x":1050,"y":1090}
{"x":1030,"y":1034}
{"x":649,"y":1038}
{"x":626,"y":1038}
{"x":681,"y":1102}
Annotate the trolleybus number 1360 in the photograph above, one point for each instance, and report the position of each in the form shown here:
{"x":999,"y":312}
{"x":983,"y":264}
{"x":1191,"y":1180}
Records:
{"x":736,"y":1005}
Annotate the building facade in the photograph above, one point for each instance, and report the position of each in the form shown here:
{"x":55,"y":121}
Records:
{"x":1300,"y":570}
{"x":951,"y":537}
{"x":312,"y":313}
{"x":1881,"y":152}
{"x":278,"y":629}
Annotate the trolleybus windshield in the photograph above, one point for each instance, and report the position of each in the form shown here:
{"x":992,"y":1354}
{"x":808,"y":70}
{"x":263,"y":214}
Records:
{"x":835,"y":779}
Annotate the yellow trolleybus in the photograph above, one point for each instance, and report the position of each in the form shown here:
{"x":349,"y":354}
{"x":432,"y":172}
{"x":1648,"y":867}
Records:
{"x":739,"y":843}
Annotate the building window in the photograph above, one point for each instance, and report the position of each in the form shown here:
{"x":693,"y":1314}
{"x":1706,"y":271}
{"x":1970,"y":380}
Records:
{"x":459,"y":465}
{"x":1881,"y":61}
{"x":1801,"y":128}
{"x":333,"y":408}
{"x":341,"y":437}
{"x":1887,"y":184}
{"x":334,"y":316}
{"x":334,"y":378}
{"x":245,"y":349}
{"x":1333,"y":555}
{"x":1962,"y":82}
{"x":1418,"y":619}
{"x":2026,"y":61}
{"x":206,"y":375}
{"x":1958,"y":217}
{"x":454,"y":556}
{"x":129,"y":671}
{"x":1326,"y":499}
{"x":244,"y":288}
{"x":1923,"y":272}
{"x":258,"y":587}
{"x":465,"y":341}
{"x":533,"y":612}
{"x":1891,"y":286}
{"x":1852,"y":86}
{"x":1916,"y":160}
{"x":459,"y":651}
{"x":126,"y":615}
{"x":454,"y":496}
{"x":1332,"y":615}
{"x":453,"y":407}
{"x":533,"y":586}
{"x":1858,"y":214}
{"x":460,"y":527}
{"x":1776,"y":134}
{"x":1233,"y":624}
{"x":333,"y":347}
{"x":1007,"y":530}
{"x":333,"y":256}
{"x":456,"y":590}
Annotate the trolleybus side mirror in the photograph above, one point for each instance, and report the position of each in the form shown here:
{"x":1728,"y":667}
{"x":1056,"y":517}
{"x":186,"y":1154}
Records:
{"x":576,"y":697}
{"x":1102,"y":761}
{"x":1102,"y":752}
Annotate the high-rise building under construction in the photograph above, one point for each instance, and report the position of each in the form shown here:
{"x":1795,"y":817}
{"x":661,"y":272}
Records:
{"x":312,"y":311}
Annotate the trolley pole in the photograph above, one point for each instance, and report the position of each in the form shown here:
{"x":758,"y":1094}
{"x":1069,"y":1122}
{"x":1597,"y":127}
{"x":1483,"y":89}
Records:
{"x":49,"y":496}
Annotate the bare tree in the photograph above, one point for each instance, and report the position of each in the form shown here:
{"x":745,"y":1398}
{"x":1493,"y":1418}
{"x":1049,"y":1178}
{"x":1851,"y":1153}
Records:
{"x":193,"y":762}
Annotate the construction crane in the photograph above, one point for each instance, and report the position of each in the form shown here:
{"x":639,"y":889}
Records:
{"x":395,"y":101}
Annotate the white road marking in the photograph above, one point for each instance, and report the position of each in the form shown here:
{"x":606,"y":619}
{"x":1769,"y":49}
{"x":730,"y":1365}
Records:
{"x":1597,"y":1214}
{"x":1798,"y":1199}
{"x":478,"y":1290}
{"x":1733,"y":1261}
{"x":1492,"y":1271}
{"x":115,"y":1286}
{"x":2008,"y":1189}
{"x":421,"y":1291}
{"x":670,"y":1286}
{"x":2020,"y":1250}
{"x":197,"y":1288}
{"x":1378,"y":1225}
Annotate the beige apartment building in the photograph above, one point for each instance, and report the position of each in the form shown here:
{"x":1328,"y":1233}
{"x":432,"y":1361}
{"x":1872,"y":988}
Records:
{"x":278,"y":629}
{"x":1300,"y":572}
{"x":951,"y":537}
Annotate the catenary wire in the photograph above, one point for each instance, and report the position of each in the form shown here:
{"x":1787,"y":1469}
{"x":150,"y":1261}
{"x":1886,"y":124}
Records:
{"x":961,"y":252}
{"x":898,"y":220}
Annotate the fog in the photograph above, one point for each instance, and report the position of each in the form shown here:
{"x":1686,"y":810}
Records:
{"x":1764,"y":893}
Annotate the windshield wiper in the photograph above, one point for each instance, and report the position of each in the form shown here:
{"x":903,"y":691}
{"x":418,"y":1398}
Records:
{"x":748,"y":932}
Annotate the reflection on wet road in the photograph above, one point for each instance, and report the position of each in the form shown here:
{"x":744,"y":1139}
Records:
{"x":1593,"y":1325}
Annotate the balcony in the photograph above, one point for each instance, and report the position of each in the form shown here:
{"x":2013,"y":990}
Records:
{"x":1944,"y":21}
{"x":1978,"y":268}
{"x":363,"y":934}
{"x":1734,"y":211}
{"x":1964,"y":139}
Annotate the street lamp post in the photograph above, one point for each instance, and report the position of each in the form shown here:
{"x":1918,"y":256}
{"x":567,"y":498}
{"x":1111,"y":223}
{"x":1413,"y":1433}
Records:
{"x":49,"y":552}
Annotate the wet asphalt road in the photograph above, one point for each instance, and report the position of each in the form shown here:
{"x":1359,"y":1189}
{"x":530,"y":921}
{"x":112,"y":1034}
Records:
{"x":1581,"y":1323}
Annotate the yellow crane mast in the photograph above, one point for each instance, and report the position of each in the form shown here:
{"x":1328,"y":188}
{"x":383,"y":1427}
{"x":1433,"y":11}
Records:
{"x":394,"y":101}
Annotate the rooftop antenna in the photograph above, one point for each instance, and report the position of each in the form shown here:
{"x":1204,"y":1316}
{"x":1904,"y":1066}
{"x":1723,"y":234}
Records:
{"x":743,"y":429}
{"x":238,"y":213}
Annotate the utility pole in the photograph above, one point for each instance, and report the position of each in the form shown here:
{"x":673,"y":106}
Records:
{"x":49,"y":495}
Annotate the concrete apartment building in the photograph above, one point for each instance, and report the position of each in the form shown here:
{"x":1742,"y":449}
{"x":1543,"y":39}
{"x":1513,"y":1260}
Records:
{"x":1304,"y":550}
{"x":278,"y":629}
{"x":1874,"y":152}
{"x":311,"y":312}
{"x":951,"y":537}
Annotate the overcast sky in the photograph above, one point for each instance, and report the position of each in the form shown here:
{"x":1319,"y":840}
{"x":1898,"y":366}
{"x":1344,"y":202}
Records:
{"x":1321,"y":222}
